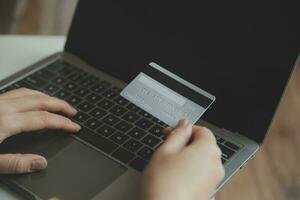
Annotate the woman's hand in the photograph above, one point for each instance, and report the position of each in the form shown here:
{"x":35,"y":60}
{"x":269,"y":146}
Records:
{"x":24,"y":110}
{"x":187,"y":166}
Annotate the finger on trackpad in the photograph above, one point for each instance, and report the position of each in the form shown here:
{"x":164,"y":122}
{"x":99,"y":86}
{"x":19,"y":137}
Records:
{"x":75,"y":172}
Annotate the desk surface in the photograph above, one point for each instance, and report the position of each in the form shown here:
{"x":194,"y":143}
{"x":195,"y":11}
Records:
{"x":17,"y":52}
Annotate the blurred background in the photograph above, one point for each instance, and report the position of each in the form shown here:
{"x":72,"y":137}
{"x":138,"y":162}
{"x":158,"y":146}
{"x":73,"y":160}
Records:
{"x":42,"y":17}
{"x":273,"y":174}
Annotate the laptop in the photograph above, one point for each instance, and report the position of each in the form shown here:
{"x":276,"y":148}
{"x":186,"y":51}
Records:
{"x":241,"y":52}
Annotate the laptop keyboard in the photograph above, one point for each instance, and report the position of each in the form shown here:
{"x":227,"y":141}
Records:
{"x":109,"y":122}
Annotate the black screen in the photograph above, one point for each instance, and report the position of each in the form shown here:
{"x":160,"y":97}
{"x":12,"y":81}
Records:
{"x":240,"y":51}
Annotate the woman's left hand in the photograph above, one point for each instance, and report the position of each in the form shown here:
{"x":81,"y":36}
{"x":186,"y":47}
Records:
{"x":23,"y":110}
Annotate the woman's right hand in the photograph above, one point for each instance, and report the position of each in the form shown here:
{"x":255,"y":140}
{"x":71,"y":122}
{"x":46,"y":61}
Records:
{"x":186,"y":167}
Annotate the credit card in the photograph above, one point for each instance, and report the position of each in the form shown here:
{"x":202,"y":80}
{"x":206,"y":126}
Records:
{"x":167,"y":96}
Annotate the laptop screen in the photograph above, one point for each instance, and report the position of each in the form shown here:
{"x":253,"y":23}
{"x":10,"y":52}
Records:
{"x":241,"y":51}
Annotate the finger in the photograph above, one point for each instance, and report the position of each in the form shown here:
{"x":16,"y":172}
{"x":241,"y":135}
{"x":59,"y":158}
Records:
{"x":21,"y":163}
{"x":40,"y":102}
{"x":204,"y":138}
{"x":201,"y":133}
{"x":18,"y":93}
{"x":195,"y":128}
{"x":167,"y":131}
{"x":31,"y":121}
{"x":178,"y":137}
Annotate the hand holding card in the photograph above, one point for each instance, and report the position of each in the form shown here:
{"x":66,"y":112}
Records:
{"x":167,"y":96}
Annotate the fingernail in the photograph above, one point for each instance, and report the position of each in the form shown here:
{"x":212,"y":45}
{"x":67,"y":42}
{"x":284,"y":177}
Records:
{"x":183,"y":122}
{"x":74,"y":112}
{"x":38,"y":164}
{"x":76,"y":126}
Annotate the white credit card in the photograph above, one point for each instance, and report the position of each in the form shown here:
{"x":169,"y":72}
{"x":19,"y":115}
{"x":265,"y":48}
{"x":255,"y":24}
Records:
{"x":167,"y":96}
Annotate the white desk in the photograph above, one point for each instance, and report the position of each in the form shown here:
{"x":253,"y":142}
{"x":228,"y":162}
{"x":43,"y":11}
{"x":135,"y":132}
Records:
{"x":17,"y":52}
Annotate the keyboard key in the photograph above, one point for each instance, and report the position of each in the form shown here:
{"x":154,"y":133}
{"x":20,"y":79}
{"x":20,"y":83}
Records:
{"x":144,"y":123}
{"x":45,"y":74}
{"x":219,"y":139}
{"x":17,"y":85}
{"x":157,"y":131}
{"x":133,"y":107}
{"x":105,"y":83}
{"x":50,"y":88}
{"x":55,"y":66}
{"x":80,"y":117}
{"x":105,"y":130}
{"x":117,"y":110}
{"x":226,"y":152}
{"x":110,"y":93}
{"x":137,"y":133}
{"x":123,"y":126}
{"x":62,"y":94}
{"x":150,"y":140}
{"x":76,"y":77}
{"x":85,"y":106}
{"x":13,"y":86}
{"x":121,"y":101}
{"x":82,"y":92}
{"x":132,"y":145}
{"x":87,"y":82}
{"x":155,"y":120}
{"x":93,"y":78}
{"x":111,"y":119}
{"x":117,"y":90}
{"x":82,"y":72}
{"x":123,"y":155}
{"x":59,"y":81}
{"x":145,"y":114}
{"x":65,"y":71}
{"x":93,"y":98}
{"x":98,"y":113}
{"x":93,"y":124}
{"x":119,"y":138}
{"x":35,"y":81}
{"x":232,"y":146}
{"x":97,"y":88}
{"x":26,"y":85}
{"x":131,"y":117}
{"x":74,"y":100}
{"x":146,"y":153}
{"x":22,"y":83}
{"x":138,"y":164}
{"x":96,"y":140}
{"x":70,"y":86}
{"x":105,"y":104}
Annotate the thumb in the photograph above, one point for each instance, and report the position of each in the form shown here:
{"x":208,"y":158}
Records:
{"x":178,"y":137}
{"x":21,"y":163}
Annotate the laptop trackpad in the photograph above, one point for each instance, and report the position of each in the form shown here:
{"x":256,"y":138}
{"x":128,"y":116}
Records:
{"x":75,"y":172}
